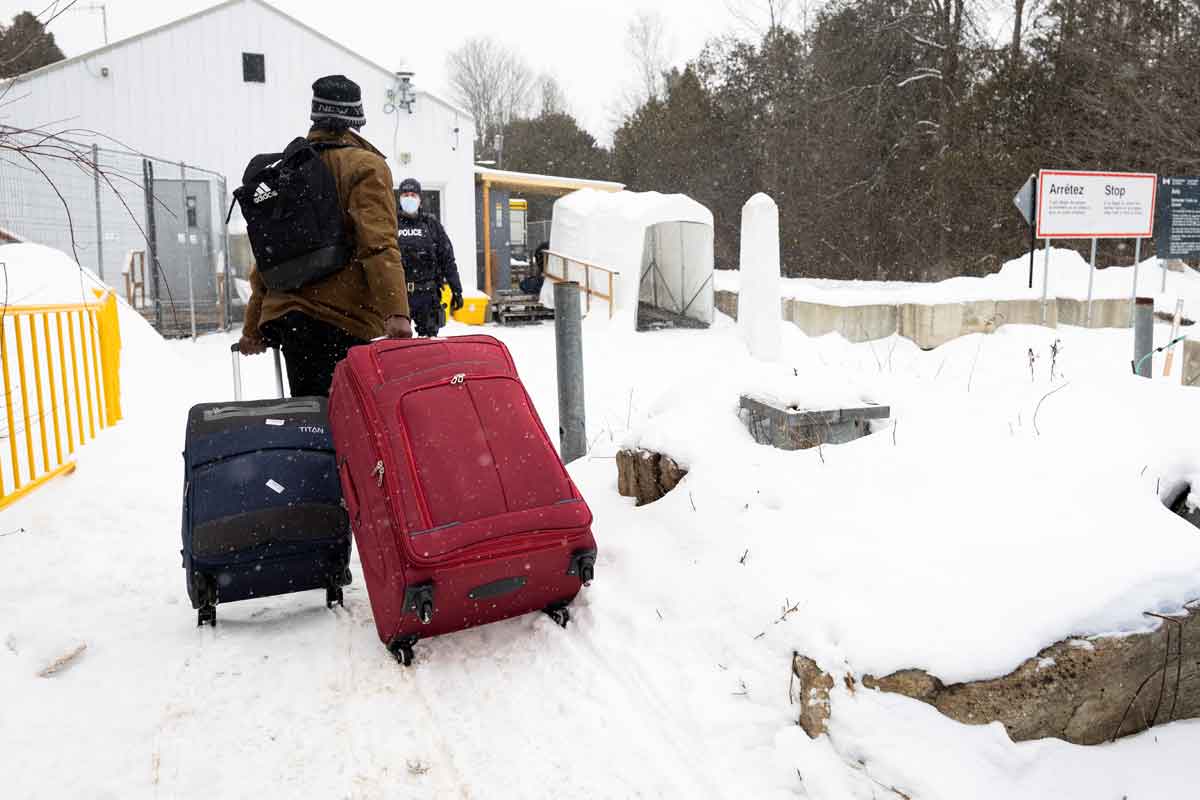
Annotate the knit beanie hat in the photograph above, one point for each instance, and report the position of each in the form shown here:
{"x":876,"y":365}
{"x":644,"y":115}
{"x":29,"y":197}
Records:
{"x":337,"y":101}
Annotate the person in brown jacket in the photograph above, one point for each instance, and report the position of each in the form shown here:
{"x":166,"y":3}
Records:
{"x":316,"y":324}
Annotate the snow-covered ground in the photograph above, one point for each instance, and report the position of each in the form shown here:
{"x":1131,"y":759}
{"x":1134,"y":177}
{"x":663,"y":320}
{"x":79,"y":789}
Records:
{"x":990,"y":519}
{"x":1068,"y":278}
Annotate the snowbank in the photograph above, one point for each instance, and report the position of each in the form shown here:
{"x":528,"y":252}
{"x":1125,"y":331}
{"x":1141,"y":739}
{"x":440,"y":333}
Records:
{"x":985,"y":539}
{"x":38,"y":275}
{"x":1068,"y":279}
{"x":992,"y":519}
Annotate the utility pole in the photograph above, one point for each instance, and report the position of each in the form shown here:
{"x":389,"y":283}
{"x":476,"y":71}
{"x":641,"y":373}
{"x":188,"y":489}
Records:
{"x":103,"y":9}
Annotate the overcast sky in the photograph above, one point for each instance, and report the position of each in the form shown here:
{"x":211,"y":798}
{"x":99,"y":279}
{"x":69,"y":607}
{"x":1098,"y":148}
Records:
{"x":580,"y":42}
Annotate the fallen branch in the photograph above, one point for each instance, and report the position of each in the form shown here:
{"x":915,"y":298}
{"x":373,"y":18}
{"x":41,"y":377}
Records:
{"x":62,"y":662}
{"x":1039,"y":405}
{"x":787,"y":610}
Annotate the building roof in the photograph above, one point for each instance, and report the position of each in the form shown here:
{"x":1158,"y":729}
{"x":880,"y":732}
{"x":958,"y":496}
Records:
{"x":205,"y":12}
{"x":541,"y":184}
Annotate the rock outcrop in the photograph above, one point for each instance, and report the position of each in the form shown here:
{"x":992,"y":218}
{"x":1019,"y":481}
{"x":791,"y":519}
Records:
{"x":1085,"y":691}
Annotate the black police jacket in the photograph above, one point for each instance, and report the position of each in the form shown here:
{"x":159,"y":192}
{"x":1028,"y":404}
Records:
{"x":427,"y":253}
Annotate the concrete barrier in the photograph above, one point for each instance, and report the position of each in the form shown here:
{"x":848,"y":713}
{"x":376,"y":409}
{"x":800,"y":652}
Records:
{"x":932,"y":325}
{"x":1111,"y":312}
{"x":726,"y":303}
{"x":853,"y":323}
{"x":1191,"y":363}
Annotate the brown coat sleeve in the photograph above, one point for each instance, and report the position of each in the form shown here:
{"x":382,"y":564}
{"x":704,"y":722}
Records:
{"x":371,"y":207}
{"x":254,"y":307}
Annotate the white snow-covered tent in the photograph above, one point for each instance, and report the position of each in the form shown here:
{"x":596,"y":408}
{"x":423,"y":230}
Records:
{"x":660,"y":246}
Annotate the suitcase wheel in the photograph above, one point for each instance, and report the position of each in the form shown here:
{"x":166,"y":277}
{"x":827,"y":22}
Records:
{"x":207,"y":613}
{"x":583,"y":566}
{"x":333,"y":594}
{"x":402,"y":649}
{"x":559,"y":613}
{"x":207,"y":594}
{"x":419,"y":600}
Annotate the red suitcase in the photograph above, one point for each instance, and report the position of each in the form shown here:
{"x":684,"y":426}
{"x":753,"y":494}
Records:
{"x":462,"y":510}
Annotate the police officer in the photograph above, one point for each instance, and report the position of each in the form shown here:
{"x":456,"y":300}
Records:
{"x":428,"y":261}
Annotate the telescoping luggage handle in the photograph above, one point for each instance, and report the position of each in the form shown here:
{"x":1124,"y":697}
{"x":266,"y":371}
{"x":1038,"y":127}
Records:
{"x":237,"y":371}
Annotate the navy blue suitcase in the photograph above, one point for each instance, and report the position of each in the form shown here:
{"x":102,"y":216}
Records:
{"x":262,"y":508}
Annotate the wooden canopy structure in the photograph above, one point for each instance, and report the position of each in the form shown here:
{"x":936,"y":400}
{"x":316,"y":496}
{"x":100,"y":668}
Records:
{"x":528,"y":183}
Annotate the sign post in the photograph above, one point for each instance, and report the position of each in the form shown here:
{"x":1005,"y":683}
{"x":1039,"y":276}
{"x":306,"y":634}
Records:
{"x":1045,"y":276}
{"x":1025,"y":203}
{"x":1095,"y":205}
{"x":1137,"y":263}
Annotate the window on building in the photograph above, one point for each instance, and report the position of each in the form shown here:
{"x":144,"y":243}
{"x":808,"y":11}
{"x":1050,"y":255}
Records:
{"x":254,"y":68}
{"x":431,"y":202}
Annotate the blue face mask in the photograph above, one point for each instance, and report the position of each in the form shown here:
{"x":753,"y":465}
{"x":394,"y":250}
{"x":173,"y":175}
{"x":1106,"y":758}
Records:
{"x":409,"y":205}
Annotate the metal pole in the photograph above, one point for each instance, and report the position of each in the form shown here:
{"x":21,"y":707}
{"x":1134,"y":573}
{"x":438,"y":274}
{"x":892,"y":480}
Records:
{"x":1091,"y":281}
{"x":1143,"y":335}
{"x":152,"y":238}
{"x":568,"y":340}
{"x":1162,"y":262}
{"x":99,"y":224}
{"x":487,"y":240}
{"x":1137,"y":260}
{"x":187,"y":252}
{"x":1045,"y":277}
{"x":278,"y":373}
{"x":237,"y":371}
{"x":228,"y":299}
{"x":1033,"y":239}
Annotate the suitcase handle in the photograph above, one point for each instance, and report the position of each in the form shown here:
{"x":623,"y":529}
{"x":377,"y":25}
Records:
{"x":236,"y":350}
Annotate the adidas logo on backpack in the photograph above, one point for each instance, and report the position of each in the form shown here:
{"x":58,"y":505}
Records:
{"x":264,"y":193}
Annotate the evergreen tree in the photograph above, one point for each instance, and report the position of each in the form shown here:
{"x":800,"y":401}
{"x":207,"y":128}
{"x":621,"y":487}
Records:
{"x":25,"y":45}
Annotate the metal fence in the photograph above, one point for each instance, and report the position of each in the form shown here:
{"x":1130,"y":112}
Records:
{"x":153,"y":230}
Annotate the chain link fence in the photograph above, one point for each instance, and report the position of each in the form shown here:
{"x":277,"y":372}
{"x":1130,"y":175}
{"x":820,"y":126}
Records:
{"x":153,"y":230}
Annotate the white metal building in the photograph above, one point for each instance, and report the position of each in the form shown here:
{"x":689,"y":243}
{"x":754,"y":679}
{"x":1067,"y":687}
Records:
{"x":214,"y":88}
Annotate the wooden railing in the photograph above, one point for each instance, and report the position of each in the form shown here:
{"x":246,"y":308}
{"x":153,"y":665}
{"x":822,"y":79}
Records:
{"x":65,"y":360}
{"x":135,"y":278}
{"x":566,"y":275}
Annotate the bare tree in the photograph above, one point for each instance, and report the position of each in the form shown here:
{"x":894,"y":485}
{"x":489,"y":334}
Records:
{"x":646,"y":42}
{"x":762,"y":16}
{"x":1018,"y":18}
{"x":493,"y":81}
{"x":553,"y":100}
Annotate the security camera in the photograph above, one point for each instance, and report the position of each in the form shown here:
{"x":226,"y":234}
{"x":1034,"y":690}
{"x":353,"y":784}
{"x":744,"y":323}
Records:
{"x":104,"y":72}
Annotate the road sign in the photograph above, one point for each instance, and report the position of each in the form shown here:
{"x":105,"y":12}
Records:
{"x":1088,"y":205}
{"x":1178,"y":218}
{"x":1025,"y":198}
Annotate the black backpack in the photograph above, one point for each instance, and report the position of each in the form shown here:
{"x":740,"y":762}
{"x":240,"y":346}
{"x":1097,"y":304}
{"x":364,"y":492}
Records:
{"x":293,"y":217}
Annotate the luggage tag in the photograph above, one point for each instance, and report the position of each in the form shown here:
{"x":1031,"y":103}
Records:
{"x":274,"y":486}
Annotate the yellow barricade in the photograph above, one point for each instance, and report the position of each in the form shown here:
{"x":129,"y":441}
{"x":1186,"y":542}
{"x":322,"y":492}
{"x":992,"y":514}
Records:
{"x":61,"y":369}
